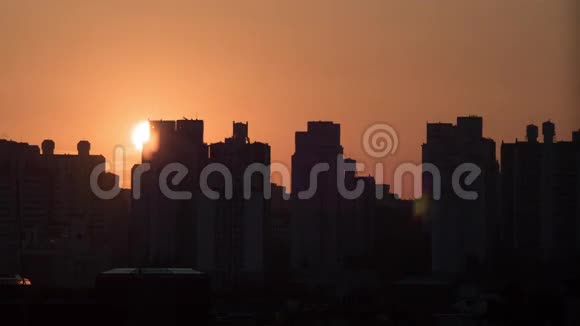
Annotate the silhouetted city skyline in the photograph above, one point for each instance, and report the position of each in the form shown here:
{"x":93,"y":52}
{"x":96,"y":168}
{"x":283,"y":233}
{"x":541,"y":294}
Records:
{"x":290,"y":163}
{"x":211,"y":209}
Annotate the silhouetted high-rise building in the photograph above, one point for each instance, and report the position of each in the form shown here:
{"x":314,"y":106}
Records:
{"x":342,"y":239}
{"x":521,"y":194}
{"x":540,"y":197}
{"x":163,"y":228}
{"x":319,"y":144}
{"x":576,"y":136}
{"x":315,"y":253}
{"x":356,"y":219}
{"x":464,"y":232}
{"x":277,"y":237}
{"x":14,"y":159}
{"x":401,"y":245}
{"x":231,"y":231}
{"x":54,"y":229}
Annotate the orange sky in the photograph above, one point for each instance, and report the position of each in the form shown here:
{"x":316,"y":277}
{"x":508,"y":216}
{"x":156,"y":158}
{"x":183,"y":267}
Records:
{"x":72,"y":70}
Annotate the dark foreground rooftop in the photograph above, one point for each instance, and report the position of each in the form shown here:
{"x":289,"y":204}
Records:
{"x":153,"y":271}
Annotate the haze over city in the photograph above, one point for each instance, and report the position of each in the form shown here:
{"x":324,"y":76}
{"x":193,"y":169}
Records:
{"x":76,"y":70}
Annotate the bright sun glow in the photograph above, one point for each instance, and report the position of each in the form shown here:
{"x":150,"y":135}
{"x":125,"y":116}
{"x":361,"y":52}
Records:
{"x":141,"y":134}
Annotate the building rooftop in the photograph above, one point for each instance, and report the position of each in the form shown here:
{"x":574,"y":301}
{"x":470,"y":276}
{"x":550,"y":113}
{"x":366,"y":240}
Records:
{"x":165,"y":271}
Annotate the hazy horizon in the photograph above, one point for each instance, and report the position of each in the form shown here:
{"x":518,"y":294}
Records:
{"x":72,"y":71}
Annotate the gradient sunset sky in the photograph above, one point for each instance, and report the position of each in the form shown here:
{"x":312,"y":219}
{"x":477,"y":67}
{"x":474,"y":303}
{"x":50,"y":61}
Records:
{"x":72,"y":70}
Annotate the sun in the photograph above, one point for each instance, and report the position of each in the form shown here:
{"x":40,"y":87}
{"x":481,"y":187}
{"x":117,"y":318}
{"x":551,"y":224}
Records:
{"x":140,"y":134}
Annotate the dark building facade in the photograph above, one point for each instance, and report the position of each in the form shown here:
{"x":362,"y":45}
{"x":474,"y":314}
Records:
{"x":464,"y":232}
{"x":540,"y":197}
{"x":164,"y":229}
{"x":345,"y":242}
{"x":54,"y":229}
{"x":315,"y":253}
{"x":232,"y":231}
{"x":277,"y":238}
